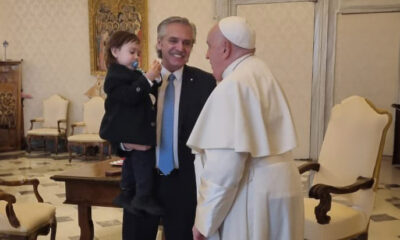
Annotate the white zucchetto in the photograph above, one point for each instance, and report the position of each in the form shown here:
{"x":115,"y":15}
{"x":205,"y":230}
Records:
{"x":238,"y":32}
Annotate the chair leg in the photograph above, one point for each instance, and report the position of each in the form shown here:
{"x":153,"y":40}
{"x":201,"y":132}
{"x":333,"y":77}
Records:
{"x":109,"y":150}
{"x":69,"y":153}
{"x":53,"y":228}
{"x":56,"y":144}
{"x":84,"y":151}
{"x":101,"y":151}
{"x":66,"y":140}
{"x":29,"y":143}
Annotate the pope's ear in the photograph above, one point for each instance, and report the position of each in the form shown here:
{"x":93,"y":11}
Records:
{"x":227,"y":49}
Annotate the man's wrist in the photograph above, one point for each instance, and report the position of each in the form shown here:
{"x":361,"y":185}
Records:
{"x":122,"y":146}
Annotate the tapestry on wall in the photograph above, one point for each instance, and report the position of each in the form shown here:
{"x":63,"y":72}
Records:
{"x":109,"y":16}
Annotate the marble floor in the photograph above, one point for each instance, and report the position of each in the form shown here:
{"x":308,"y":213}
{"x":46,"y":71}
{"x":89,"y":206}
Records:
{"x":384,"y":224}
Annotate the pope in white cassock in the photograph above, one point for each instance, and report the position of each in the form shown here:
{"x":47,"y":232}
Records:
{"x":248,"y":184}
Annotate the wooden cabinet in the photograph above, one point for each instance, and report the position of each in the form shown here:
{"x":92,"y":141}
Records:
{"x":11,"y":123}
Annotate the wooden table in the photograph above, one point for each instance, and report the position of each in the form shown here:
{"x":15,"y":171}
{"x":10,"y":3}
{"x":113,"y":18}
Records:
{"x":88,"y":186}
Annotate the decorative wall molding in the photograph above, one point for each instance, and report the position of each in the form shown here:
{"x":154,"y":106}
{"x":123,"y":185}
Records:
{"x":326,"y":16}
{"x":368,"y":6}
{"x":342,"y":7}
{"x":317,"y":120}
{"x":330,"y":59}
{"x":221,"y":9}
{"x":229,"y":7}
{"x":53,"y":39}
{"x":226,"y":8}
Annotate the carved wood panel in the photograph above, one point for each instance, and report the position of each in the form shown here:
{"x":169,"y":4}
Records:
{"x":11,"y":130}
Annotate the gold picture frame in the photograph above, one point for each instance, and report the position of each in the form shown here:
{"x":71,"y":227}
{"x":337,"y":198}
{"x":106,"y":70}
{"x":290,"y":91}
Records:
{"x":108,"y":16}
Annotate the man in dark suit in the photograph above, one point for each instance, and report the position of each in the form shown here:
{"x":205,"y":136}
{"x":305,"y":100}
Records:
{"x":176,"y":187}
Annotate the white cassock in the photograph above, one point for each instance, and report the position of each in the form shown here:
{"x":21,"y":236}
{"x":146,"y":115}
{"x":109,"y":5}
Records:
{"x":248,"y":184}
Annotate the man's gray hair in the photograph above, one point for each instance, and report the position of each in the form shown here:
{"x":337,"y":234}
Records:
{"x":161,"y":28}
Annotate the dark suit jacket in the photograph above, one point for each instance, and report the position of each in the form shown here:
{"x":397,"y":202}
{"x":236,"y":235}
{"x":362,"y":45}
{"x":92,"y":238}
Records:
{"x":130,"y":115}
{"x":197,"y":85}
{"x":176,"y":193}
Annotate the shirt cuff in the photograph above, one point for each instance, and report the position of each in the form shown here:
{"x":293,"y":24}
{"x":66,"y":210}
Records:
{"x":150,"y":82}
{"x":121,"y":145}
{"x":158,"y":79}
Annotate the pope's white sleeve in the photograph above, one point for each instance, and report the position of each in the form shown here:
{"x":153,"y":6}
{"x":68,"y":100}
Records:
{"x":219,"y":181}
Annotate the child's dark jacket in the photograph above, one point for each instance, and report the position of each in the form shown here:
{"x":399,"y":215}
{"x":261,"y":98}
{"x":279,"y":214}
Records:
{"x":130,"y":114}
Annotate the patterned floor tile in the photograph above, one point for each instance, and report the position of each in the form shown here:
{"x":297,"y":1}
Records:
{"x":48,"y":184}
{"x":6,"y":174}
{"x":26,"y":192}
{"x":60,"y":195}
{"x":382,"y":217}
{"x":25,"y":168}
{"x":64,"y":219}
{"x":109,"y":223}
{"x":392,"y":186}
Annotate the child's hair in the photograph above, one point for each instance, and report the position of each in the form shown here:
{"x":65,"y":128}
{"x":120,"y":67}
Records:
{"x":116,"y":40}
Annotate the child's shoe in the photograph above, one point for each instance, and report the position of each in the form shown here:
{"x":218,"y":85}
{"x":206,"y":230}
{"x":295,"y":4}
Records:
{"x":124,"y":200}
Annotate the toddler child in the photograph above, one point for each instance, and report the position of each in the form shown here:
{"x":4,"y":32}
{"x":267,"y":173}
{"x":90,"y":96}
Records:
{"x":130,"y":117}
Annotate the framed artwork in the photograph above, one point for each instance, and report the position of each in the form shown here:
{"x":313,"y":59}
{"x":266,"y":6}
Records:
{"x":109,"y":16}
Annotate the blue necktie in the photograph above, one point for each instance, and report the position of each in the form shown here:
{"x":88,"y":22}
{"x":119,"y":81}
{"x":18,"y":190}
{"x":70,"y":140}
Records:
{"x":166,"y":160}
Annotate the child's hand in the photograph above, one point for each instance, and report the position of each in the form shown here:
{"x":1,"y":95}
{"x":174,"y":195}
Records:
{"x":154,"y":70}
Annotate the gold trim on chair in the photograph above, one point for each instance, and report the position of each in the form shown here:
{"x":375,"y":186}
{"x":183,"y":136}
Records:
{"x":356,"y":134}
{"x":26,"y":220}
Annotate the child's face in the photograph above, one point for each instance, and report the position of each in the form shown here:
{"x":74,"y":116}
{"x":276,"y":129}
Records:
{"x":127,"y":54}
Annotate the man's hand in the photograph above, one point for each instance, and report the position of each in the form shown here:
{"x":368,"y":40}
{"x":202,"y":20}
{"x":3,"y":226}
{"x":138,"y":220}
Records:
{"x":137,"y":147}
{"x":154,"y":70}
{"x":197,"y":235}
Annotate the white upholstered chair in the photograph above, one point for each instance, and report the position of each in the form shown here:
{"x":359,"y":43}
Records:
{"x":93,"y":112}
{"x":25,"y":220}
{"x":54,"y":122}
{"x":347,"y":172}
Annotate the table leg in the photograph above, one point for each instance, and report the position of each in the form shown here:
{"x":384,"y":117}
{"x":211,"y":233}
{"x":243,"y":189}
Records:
{"x":85,"y":222}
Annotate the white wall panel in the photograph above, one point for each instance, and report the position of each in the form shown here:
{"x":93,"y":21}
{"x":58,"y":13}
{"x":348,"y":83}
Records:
{"x":52,"y":36}
{"x":367,"y":60}
{"x":284,"y":40}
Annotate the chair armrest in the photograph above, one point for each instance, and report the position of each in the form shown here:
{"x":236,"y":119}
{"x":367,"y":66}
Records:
{"x":309,"y":166}
{"x":59,"y":125}
{"x":35,"y":120}
{"x":34,"y":182}
{"x":76,"y":124}
{"x":10,"y":199}
{"x":323,"y":192}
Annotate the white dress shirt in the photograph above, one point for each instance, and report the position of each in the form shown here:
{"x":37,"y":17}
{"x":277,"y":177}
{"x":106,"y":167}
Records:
{"x":161,"y":93}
